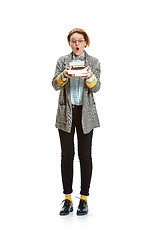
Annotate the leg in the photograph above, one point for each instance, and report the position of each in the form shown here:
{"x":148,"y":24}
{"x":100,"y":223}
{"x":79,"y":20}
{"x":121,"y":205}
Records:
{"x":67,"y":156}
{"x":85,"y":156}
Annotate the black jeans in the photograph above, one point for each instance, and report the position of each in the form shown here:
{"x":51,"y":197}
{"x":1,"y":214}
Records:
{"x":84,"y":153}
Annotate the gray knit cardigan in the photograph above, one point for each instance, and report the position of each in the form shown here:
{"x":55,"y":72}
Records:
{"x":64,"y":112}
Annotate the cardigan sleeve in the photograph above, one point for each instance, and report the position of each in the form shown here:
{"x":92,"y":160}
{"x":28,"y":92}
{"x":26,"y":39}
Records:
{"x":95,"y":85}
{"x":57,"y":81}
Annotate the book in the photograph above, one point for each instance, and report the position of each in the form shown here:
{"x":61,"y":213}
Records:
{"x":77,"y":69}
{"x":79,"y":64}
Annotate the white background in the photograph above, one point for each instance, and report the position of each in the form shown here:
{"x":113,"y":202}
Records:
{"x":125,"y":192}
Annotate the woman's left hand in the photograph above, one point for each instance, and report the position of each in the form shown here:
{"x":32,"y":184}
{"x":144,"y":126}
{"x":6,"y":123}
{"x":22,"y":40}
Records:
{"x":89,"y":72}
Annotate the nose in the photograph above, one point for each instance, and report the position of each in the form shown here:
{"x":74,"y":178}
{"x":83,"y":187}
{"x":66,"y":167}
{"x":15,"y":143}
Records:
{"x":77,"y":43}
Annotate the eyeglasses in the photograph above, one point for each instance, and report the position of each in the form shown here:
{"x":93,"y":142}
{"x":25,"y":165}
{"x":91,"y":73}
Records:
{"x":80,"y":41}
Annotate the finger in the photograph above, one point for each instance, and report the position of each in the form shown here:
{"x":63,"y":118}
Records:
{"x":70,"y":76}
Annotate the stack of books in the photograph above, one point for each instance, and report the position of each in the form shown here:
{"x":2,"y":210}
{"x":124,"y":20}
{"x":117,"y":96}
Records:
{"x":77,"y":69}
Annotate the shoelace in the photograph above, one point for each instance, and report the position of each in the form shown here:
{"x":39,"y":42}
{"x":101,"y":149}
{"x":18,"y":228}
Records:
{"x":66,"y":201}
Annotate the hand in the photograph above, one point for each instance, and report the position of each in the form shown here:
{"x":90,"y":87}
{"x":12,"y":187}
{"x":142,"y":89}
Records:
{"x":89,"y":72}
{"x":65,"y":72}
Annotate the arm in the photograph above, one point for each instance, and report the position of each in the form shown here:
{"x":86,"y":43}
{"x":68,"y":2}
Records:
{"x":93,"y":83}
{"x":59,"y":81}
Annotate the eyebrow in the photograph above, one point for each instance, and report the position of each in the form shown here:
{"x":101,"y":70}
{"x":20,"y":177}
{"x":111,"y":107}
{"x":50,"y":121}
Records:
{"x":77,"y":39}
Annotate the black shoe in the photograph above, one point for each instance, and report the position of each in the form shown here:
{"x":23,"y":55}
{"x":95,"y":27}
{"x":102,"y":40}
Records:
{"x":82,"y":208}
{"x":67,"y":207}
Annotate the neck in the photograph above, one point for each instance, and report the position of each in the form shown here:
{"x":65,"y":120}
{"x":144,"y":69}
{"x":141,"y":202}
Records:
{"x":78,"y":55}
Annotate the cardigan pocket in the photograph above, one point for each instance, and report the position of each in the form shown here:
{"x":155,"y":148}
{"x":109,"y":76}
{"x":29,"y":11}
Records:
{"x":61,"y":114}
{"x":62,"y":96}
{"x":94,"y":113}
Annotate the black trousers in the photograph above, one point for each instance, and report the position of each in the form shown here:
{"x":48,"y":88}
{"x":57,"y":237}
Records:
{"x":84,"y":153}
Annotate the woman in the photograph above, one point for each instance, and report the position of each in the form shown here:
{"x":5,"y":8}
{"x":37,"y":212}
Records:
{"x":76,"y":110}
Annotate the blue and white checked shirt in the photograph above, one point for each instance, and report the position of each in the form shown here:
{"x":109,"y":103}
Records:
{"x":77,"y":84}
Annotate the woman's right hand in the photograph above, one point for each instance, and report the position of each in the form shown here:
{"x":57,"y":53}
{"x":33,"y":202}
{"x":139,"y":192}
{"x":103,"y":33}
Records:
{"x":65,"y":73}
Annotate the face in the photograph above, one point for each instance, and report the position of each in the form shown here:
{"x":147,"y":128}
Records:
{"x":77,"y":43}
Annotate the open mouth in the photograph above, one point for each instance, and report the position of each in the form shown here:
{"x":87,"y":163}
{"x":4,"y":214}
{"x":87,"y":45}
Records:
{"x":77,"y":48}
